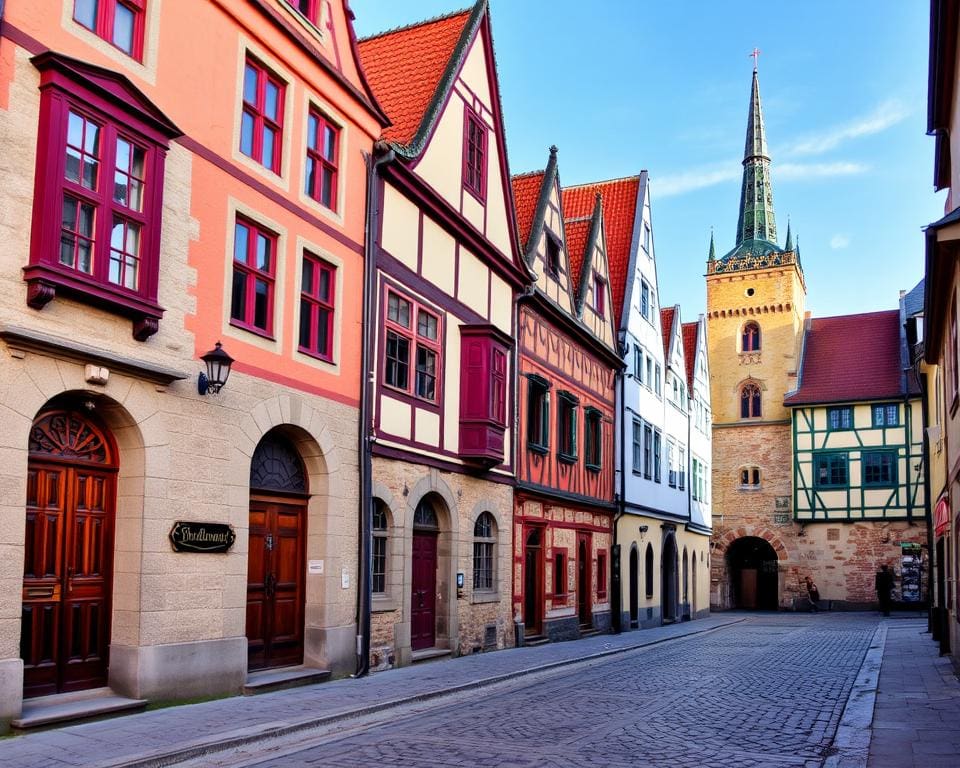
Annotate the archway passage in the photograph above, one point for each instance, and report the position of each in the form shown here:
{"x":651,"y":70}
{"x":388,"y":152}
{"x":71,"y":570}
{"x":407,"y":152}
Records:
{"x":668,"y":582}
{"x":423,"y":600}
{"x":276,"y":559}
{"x":752,"y":564}
{"x":533,"y":582}
{"x":634,"y":587}
{"x":68,"y":554}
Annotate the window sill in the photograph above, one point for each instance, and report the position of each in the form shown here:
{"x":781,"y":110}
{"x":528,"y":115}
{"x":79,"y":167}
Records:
{"x":566,"y":458}
{"x":477,"y":195}
{"x":44,"y":281}
{"x":543,"y":450}
{"x":593,"y":467}
{"x":484,"y":596}
{"x":316,"y":355}
{"x":409,"y":397}
{"x":382,"y":603}
{"x":252,"y":329}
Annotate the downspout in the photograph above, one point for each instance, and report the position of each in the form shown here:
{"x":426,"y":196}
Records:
{"x":365,"y":436}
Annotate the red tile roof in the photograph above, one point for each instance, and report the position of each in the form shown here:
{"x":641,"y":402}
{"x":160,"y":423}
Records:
{"x":666,"y":326}
{"x":526,"y":193}
{"x":619,"y":209}
{"x":404,"y":66}
{"x":577,"y":233}
{"x":689,"y":332}
{"x":850,"y":358}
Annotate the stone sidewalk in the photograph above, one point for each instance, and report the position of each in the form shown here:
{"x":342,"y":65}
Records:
{"x":916,"y":720}
{"x":163,"y":736}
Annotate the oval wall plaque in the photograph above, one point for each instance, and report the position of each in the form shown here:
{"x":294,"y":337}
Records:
{"x":201,"y":537}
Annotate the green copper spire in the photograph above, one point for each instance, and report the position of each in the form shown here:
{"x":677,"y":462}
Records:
{"x":789,"y":244}
{"x":713,"y":251}
{"x":757,"y":221}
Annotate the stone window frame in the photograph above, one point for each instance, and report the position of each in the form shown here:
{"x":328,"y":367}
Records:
{"x":485,"y":553}
{"x":752,"y":474}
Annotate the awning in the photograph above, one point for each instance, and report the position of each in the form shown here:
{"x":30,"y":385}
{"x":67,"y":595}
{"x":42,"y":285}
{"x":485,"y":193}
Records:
{"x":941,"y":517}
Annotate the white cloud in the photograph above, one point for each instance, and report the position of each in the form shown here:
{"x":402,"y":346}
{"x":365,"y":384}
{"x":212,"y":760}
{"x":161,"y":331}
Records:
{"x":698,"y":178}
{"x":794,"y":171}
{"x":839,"y":241}
{"x":887,"y":114}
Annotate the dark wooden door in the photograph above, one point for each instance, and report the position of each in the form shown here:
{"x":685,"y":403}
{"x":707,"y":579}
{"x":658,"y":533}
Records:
{"x":275,"y":583}
{"x":583,"y":581}
{"x":423,"y":603}
{"x":748,"y":588}
{"x":67,"y":577}
{"x":533,"y":584}
{"x":634,"y":587}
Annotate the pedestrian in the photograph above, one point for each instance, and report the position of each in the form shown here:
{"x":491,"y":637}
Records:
{"x":884,"y":586}
{"x":813,"y":595}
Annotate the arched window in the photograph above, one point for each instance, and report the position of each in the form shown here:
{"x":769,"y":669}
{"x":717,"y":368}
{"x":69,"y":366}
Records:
{"x":425,"y":516}
{"x":380,"y":525}
{"x":750,"y":401}
{"x":648,"y":570}
{"x":484,"y":538}
{"x":751,"y":338}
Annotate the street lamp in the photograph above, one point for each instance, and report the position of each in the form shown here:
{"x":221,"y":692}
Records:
{"x":218,"y":370}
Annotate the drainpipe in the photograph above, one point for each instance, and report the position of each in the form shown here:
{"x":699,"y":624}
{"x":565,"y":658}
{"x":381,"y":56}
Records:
{"x":365,"y":436}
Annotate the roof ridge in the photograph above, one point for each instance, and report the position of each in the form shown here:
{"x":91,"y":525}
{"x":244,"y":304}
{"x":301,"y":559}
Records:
{"x":414,"y":25}
{"x":858,"y":314}
{"x":635,"y":177}
{"x":577,"y":219}
{"x":527,"y":174}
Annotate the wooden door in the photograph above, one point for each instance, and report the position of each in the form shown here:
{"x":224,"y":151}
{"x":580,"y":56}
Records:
{"x":634,"y":586}
{"x":67,"y":577}
{"x":275,"y":583}
{"x":533,"y":584}
{"x":583,"y":580}
{"x":423,"y":603}
{"x":748,"y":588}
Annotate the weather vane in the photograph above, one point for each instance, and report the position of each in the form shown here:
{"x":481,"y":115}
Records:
{"x":755,"y":54}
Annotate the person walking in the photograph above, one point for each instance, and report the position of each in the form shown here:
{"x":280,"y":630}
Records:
{"x":813,"y":594}
{"x":884,"y":586}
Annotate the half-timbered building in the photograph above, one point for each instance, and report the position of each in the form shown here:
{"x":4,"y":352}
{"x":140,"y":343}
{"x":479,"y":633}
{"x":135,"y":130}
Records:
{"x":564,"y":503}
{"x":441,"y":328}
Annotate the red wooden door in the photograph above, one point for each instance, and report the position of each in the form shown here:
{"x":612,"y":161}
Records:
{"x":533,"y":583}
{"x":67,"y":577}
{"x":275,"y":584}
{"x":423,"y":603}
{"x":583,"y":580}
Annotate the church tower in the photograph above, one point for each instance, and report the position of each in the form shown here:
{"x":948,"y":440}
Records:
{"x":755,"y":314}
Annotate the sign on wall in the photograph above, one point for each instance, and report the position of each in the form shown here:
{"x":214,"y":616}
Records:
{"x":910,"y":571}
{"x":201,"y":537}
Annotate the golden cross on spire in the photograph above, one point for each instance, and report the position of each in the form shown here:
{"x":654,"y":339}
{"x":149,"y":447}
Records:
{"x":755,"y":54}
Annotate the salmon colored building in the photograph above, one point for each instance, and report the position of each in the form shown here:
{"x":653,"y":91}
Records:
{"x":178,"y":174}
{"x":564,"y":498}
{"x":441,"y":333}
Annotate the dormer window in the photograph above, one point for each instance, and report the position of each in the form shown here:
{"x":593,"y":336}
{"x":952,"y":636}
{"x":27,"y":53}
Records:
{"x":553,"y":257}
{"x":599,"y":294}
{"x":474,"y":155}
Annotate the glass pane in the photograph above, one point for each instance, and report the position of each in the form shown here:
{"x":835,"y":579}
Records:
{"x":250,"y":85}
{"x":326,"y":187}
{"x":69,"y":218}
{"x":85,"y":224}
{"x":135,"y":195}
{"x":263,"y":253}
{"x":120,"y":187}
{"x":312,"y":125}
{"x":260,"y":305}
{"x":240,"y":243}
{"x":131,"y":273}
{"x":133,"y":239}
{"x":85,"y":12}
{"x":91,"y":139}
{"x":90,"y":168}
{"x":84,"y":256}
{"x":305,"y":335}
{"x":324,"y":292}
{"x":238,"y":303}
{"x":269,"y":135}
{"x":246,"y":134}
{"x":72,"y":170}
{"x":123,"y":19}
{"x":329,"y":143}
{"x":306,"y":278}
{"x":310,"y":180}
{"x":273,"y":101}
{"x":427,"y":325}
{"x":114,"y":272}
{"x":124,"y":149}
{"x":68,"y":244}
{"x":75,"y":130}
{"x":116,"y":235}
{"x":323,"y":331}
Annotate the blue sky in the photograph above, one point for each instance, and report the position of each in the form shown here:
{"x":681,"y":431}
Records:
{"x":625,"y":85}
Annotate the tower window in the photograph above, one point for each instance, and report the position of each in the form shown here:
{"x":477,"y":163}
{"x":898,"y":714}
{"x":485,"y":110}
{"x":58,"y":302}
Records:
{"x":750,"y":401}
{"x":751,"y":338}
{"x":749,"y":477}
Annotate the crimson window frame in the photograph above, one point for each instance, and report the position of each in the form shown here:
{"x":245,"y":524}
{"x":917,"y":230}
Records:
{"x":110,"y":101}
{"x":751,"y":401}
{"x":750,"y":337}
{"x":103,"y":25}
{"x":312,"y":14}
{"x":474,"y":154}
{"x":601,"y":575}
{"x":415,"y":340}
{"x":252,"y":272}
{"x":314,"y":152}
{"x":258,"y":112}
{"x":316,"y":304}
{"x":559,"y":573}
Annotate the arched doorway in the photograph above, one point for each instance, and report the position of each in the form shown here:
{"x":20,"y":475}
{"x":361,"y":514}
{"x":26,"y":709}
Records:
{"x":634,"y":587}
{"x":533,"y":582}
{"x":752,"y":564}
{"x":668,"y":580}
{"x":583,"y":582}
{"x":276,"y":556}
{"x":68,"y":553}
{"x":423,"y":599}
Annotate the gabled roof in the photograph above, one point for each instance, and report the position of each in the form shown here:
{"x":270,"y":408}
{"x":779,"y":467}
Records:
{"x":619,"y":211}
{"x":689,"y":333}
{"x":526,"y":194}
{"x":666,"y":329}
{"x":851,"y":358}
{"x":405,"y":66}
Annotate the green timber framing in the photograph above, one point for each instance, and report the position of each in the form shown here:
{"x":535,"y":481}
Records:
{"x":812,"y":437}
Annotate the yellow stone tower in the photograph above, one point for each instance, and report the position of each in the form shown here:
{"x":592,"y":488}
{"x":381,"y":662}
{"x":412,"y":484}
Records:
{"x":755,"y":315}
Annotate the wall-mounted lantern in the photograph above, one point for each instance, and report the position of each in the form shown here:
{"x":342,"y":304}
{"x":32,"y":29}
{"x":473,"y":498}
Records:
{"x":643,"y":530}
{"x":218,"y":370}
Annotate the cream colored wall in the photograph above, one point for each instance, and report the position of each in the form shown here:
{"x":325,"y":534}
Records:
{"x":600,"y":325}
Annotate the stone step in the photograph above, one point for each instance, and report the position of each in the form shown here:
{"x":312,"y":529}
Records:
{"x":429,"y":654}
{"x":532,"y":641}
{"x":79,"y":705}
{"x":266,"y":680}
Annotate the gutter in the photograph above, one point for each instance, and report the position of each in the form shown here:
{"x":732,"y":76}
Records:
{"x":365,"y":432}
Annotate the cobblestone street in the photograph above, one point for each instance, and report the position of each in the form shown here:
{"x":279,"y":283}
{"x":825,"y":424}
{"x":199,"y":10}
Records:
{"x":766,"y":692}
